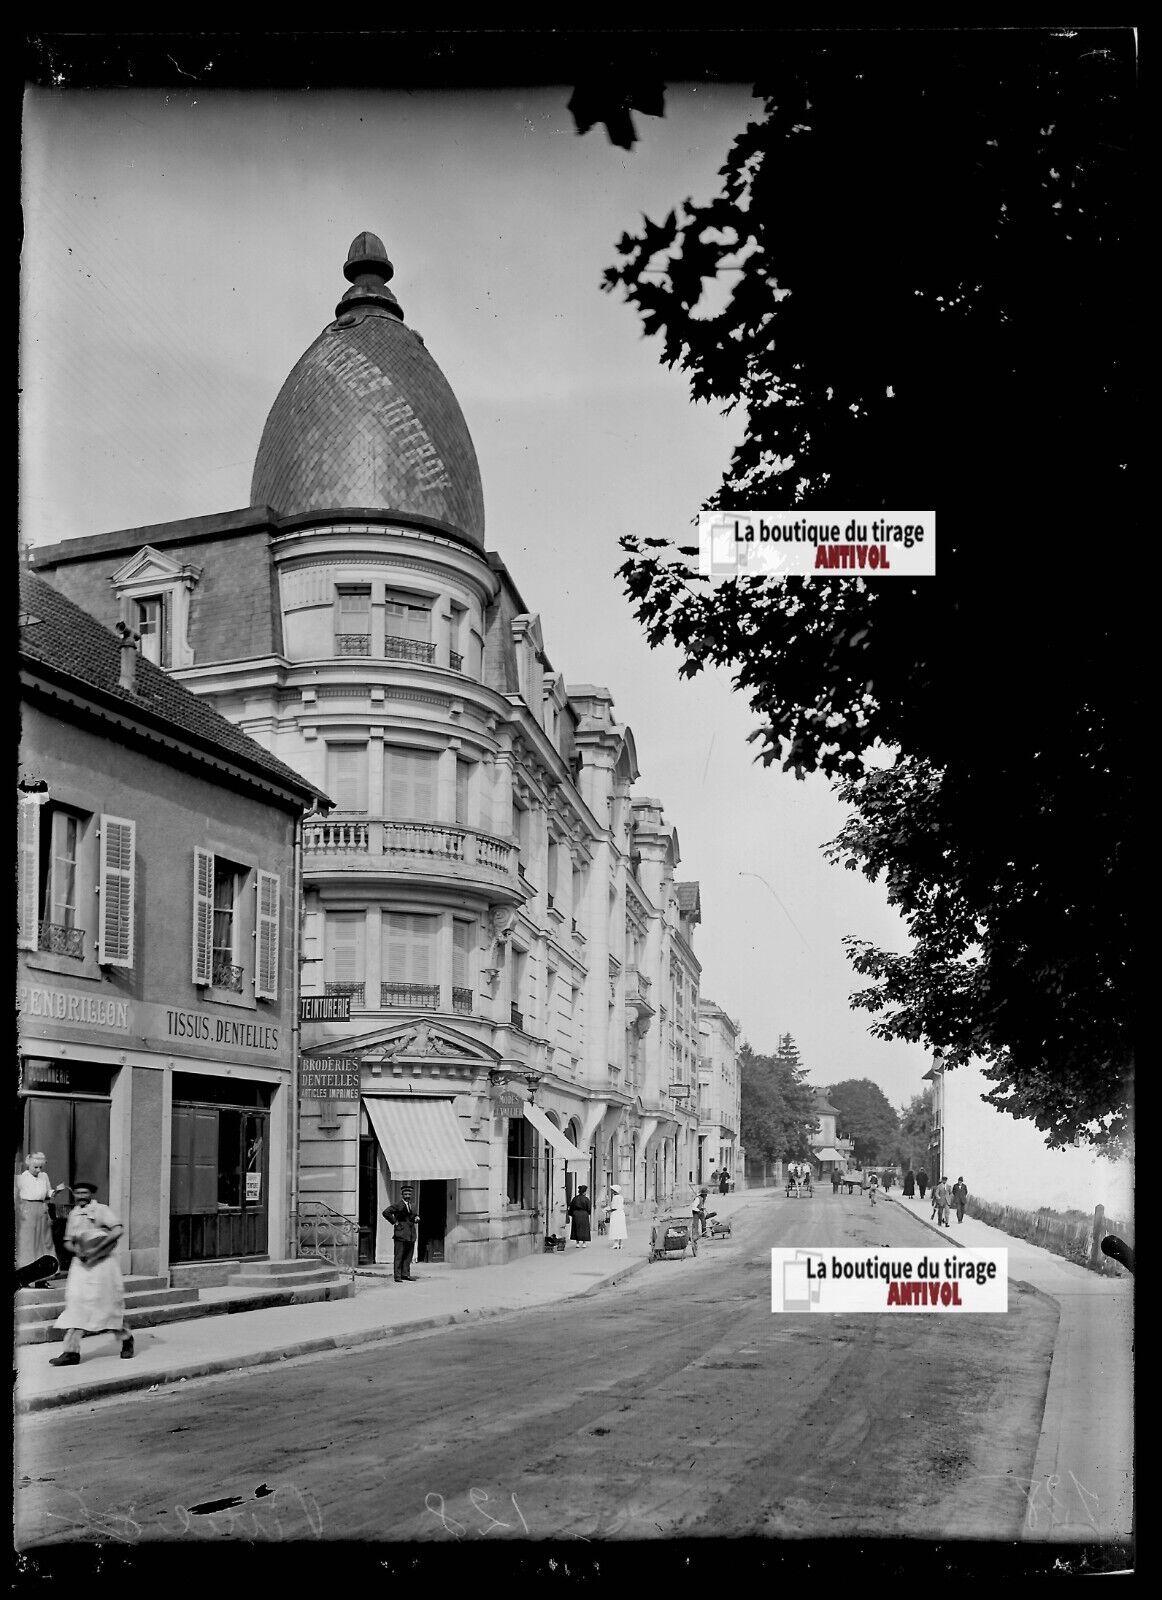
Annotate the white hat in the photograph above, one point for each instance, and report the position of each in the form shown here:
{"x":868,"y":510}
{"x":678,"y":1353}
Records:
{"x":613,"y":1189}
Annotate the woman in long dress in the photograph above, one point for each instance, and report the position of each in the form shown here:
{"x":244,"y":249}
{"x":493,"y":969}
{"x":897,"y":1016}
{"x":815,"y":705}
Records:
{"x":617,"y":1229}
{"x":95,"y":1289}
{"x":579,"y":1211}
{"x":33,"y":1225}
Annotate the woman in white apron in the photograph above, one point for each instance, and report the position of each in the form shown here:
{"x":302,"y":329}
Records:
{"x":94,"y":1290}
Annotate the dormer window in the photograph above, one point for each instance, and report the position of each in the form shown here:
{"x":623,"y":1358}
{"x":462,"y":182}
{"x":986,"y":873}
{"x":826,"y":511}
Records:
{"x":154,"y":594}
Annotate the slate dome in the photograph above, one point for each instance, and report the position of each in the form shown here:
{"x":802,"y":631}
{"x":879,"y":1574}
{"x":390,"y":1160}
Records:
{"x":366,"y":419}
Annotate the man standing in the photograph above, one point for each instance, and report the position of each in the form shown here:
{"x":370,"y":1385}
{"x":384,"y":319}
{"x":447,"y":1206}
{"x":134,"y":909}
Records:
{"x":95,"y":1289}
{"x":921,"y":1181}
{"x":960,"y":1198}
{"x":403,"y":1215}
{"x":940,"y":1200}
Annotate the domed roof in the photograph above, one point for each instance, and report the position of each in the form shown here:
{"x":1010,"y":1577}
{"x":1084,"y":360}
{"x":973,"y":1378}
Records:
{"x":366,"y":418}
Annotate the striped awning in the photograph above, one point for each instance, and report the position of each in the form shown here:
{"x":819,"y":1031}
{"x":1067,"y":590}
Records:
{"x":576,"y":1160}
{"x":420,"y":1138}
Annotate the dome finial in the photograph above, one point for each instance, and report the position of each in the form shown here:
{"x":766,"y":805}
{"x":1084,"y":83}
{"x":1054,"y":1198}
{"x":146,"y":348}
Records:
{"x":368,"y":271}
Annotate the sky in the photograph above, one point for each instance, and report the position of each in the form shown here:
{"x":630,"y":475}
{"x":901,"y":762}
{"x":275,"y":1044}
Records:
{"x":181,"y":251}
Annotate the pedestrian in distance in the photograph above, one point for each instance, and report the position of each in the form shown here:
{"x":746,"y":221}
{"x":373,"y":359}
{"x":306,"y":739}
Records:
{"x":921,"y":1181}
{"x":873,"y":1187}
{"x":723,"y":1181}
{"x":404,"y":1219}
{"x":960,"y":1198}
{"x":94,"y":1289}
{"x":618,"y":1233}
{"x":34,"y":1243}
{"x":579,"y":1211}
{"x":909,"y":1183}
{"x":941,"y":1197}
{"x":699,"y":1214}
{"x":835,"y":1180}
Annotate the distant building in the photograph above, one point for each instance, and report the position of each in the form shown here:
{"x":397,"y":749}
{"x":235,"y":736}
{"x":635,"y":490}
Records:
{"x":719,"y":1094}
{"x":498,"y":910}
{"x":156,"y":979}
{"x":829,"y":1150}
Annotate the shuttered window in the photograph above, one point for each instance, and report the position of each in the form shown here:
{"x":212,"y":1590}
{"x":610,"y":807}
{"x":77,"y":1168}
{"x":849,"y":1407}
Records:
{"x":404,"y":619}
{"x":266,"y":936}
{"x":353,"y":612}
{"x":409,"y":784}
{"x":203,"y":916}
{"x":153,"y":624}
{"x":347,"y":776}
{"x":28,"y":881}
{"x":344,"y":960}
{"x":118,"y":843}
{"x":409,"y":947}
{"x":462,"y":934}
{"x":463,"y":780}
{"x":60,"y":902}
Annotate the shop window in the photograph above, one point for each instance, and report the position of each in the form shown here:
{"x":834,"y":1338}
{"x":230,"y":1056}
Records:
{"x":347,"y":776}
{"x":353,"y":621}
{"x":520,"y":1163}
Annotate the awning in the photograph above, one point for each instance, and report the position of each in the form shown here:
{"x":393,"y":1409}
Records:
{"x":576,"y":1160}
{"x":420,"y":1138}
{"x":827,"y":1155}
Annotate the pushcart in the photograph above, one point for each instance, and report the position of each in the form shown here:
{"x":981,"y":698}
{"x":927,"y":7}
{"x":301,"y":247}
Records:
{"x":671,"y":1237}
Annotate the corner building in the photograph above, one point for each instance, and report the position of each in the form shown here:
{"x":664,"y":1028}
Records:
{"x":499,"y":911}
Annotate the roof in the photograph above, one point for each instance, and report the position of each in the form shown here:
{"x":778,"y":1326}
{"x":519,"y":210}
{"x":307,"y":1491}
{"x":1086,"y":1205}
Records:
{"x":57,"y":635}
{"x":689,"y":898}
{"x":366,"y":418}
{"x":823,"y":1104}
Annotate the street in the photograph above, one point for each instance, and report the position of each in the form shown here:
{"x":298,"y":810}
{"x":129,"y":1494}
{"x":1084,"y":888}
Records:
{"x":674,"y":1405}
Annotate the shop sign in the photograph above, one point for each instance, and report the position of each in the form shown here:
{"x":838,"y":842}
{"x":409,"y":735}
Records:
{"x":81,"y":1010}
{"x":66,"y":1076}
{"x":508,"y":1105}
{"x":325,"y":1008}
{"x":253,"y":1187}
{"x":679,"y":1091}
{"x":329,"y":1077}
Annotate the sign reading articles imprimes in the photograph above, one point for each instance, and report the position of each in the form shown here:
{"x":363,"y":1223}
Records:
{"x":825,"y":544}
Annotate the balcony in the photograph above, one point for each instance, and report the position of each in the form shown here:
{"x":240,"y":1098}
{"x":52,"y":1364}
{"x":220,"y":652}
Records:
{"x":430,"y":849}
{"x":637,"y":995}
{"x":226,"y":975}
{"x":455,"y":661}
{"x":352,"y":644}
{"x":409,"y":996}
{"x":355,"y":990}
{"x":58,"y":940}
{"x":462,"y":1001}
{"x":397,"y":649}
{"x":516,"y":1016}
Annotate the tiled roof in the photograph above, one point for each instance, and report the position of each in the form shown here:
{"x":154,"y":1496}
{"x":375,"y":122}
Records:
{"x":58,"y":635}
{"x":366,"y":418}
{"x":689,"y":897}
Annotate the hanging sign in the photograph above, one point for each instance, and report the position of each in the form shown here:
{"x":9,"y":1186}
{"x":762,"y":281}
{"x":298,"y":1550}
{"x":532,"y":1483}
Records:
{"x":325,"y":1008}
{"x":329,"y":1077}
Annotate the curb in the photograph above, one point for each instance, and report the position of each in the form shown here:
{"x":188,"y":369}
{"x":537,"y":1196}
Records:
{"x":102,"y":1388}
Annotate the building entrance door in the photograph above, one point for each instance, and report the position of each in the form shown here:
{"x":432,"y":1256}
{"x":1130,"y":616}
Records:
{"x":432,"y":1203}
{"x":368,"y":1197}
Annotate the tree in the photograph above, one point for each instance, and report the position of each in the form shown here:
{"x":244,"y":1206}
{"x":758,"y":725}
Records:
{"x":777,"y":1104}
{"x":930,"y":261}
{"x":865,"y":1115}
{"x":915,"y":1132}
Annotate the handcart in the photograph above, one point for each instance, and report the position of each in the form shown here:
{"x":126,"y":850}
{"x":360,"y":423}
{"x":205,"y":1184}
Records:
{"x":671,"y":1237}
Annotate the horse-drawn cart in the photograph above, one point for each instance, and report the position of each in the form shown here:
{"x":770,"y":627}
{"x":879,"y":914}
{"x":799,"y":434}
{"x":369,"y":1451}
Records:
{"x":800,"y":1185}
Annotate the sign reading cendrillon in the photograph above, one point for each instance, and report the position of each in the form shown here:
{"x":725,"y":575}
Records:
{"x":325,"y":1008}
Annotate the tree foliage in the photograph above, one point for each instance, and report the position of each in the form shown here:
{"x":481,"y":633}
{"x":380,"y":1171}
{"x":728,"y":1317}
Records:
{"x":914,"y":1136}
{"x":930,"y":262}
{"x":867,"y":1116}
{"x":778,"y":1113}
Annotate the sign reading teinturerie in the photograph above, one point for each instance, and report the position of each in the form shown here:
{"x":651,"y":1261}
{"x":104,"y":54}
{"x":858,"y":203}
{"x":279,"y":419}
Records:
{"x":329,"y":1078}
{"x":826,"y":544}
{"x":325,"y":1008}
{"x":866,"y":1279}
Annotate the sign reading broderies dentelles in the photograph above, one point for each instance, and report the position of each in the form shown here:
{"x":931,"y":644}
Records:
{"x":829,"y":544}
{"x":853,"y":1280}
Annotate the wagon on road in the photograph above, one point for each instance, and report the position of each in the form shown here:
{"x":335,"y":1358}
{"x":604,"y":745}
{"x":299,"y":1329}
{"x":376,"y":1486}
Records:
{"x":671,"y":1237}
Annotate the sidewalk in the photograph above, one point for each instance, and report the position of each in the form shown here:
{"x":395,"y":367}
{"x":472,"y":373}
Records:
{"x":1082,"y":1488}
{"x":379,"y":1309}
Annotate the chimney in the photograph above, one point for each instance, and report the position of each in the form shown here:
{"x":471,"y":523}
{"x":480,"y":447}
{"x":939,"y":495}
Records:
{"x":129,"y":640}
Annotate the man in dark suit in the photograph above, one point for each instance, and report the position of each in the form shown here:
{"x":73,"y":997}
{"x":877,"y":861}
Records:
{"x":402,"y":1214}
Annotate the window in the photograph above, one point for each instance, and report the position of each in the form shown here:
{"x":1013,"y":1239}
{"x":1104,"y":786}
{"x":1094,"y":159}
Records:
{"x":152,"y":622}
{"x":51,"y":845}
{"x":407,"y":628}
{"x":455,"y":639}
{"x":409,"y":947}
{"x":347,"y":776}
{"x":227,"y":971}
{"x":353,"y":621}
{"x":409,"y":785}
{"x":520,"y":1163}
{"x":344,"y":965}
{"x":217,"y":942}
{"x":462,"y":940}
{"x":551,"y":884}
{"x":463,"y":781}
{"x":518,"y":972}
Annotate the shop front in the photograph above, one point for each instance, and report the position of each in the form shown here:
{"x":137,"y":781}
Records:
{"x":219,"y":1168}
{"x":414,"y":1139}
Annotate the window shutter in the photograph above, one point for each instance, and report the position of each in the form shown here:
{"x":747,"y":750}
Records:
{"x":345,"y":949}
{"x":463,"y":772}
{"x":203,"y":916}
{"x":28,"y":836}
{"x":266,"y":937}
{"x":461,"y":955}
{"x":409,"y":785}
{"x":347,"y":776}
{"x":118,"y":842}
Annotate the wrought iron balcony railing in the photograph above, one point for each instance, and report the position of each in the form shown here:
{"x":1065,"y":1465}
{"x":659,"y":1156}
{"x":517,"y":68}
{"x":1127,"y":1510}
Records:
{"x":516,"y":1016}
{"x":455,"y":661}
{"x":352,"y":644}
{"x":397,"y":649}
{"x":355,"y":990}
{"x":462,"y":1000}
{"x":226,"y":975}
{"x":58,"y":940}
{"x":409,"y":996}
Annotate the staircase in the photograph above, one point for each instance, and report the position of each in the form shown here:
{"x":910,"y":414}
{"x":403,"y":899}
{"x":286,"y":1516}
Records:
{"x":225,"y":1287}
